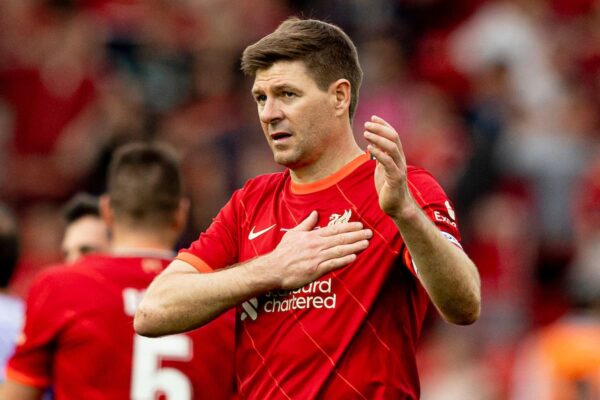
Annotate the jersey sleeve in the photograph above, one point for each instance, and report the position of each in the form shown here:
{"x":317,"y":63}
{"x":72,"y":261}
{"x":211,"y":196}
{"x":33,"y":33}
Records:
{"x":434,"y":202}
{"x":217,"y":247}
{"x":31,"y":363}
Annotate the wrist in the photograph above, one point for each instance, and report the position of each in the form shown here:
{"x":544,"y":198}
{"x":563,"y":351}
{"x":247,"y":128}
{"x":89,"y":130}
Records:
{"x":262,"y":272}
{"x":407,"y":214}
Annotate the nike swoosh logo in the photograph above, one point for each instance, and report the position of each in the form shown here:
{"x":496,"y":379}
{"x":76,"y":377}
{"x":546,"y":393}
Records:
{"x":253,"y":235}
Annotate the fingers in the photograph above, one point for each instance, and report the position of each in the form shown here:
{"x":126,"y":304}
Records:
{"x":308,"y":255}
{"x":330,"y":265}
{"x":383,"y":140}
{"x":343,"y":238}
{"x":384,"y":158}
{"x":341,"y":255}
{"x":341,"y":251}
{"x":347,"y":238}
{"x":340,"y":240}
{"x":340,"y":228}
{"x":309,"y":222}
{"x":380,"y":127}
{"x":380,"y":120}
{"x":384,"y":143}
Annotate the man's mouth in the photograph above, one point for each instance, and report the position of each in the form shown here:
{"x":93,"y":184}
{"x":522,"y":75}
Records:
{"x":278,"y":136}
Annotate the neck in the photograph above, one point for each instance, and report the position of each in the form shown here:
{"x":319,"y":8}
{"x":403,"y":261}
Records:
{"x":143,"y":240}
{"x":140,"y":252}
{"x":331,"y":160}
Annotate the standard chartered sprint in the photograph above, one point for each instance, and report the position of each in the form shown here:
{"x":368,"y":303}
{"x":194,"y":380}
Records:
{"x":316,"y":294}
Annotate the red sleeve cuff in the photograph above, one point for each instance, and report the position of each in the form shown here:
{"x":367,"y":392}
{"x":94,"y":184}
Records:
{"x":25,"y":379}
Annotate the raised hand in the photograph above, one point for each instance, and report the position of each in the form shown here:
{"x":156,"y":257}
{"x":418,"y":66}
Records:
{"x":305,"y":254}
{"x":390,"y":173}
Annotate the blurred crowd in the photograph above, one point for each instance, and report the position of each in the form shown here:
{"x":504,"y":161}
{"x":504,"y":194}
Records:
{"x":499,"y":99}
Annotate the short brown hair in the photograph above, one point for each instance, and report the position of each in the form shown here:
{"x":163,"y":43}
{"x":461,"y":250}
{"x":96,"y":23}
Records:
{"x":144,"y":184}
{"x":326,"y":50}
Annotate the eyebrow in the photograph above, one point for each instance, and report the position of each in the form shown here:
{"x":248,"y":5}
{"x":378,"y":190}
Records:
{"x":277,"y":88}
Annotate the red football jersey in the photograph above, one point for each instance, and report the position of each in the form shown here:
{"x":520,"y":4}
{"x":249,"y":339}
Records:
{"x":79,"y":338}
{"x":353,"y":332}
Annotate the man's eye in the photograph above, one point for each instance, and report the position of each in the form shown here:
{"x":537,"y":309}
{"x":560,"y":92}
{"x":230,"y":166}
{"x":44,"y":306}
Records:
{"x":261,"y":98}
{"x":289,"y":94}
{"x":87,"y":249}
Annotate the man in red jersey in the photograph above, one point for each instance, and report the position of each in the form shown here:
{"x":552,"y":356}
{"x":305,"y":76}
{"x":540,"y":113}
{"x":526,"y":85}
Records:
{"x":78,"y":336}
{"x":329,"y":264}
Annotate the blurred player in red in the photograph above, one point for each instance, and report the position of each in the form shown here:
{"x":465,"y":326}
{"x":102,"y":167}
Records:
{"x":78,"y":335}
{"x":86,"y":231}
{"x":330,"y":263}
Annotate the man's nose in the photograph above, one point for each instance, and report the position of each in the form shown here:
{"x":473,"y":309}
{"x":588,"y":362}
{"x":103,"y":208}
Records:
{"x":271,"y":112}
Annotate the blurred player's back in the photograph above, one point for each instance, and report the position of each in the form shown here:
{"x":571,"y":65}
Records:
{"x":79,"y":337}
{"x":90,"y":307}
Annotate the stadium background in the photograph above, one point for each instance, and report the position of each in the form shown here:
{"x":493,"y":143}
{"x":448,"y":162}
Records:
{"x":499,"y":99}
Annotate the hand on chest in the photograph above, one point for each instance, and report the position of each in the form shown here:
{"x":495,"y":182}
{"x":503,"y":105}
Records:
{"x":265,"y":230}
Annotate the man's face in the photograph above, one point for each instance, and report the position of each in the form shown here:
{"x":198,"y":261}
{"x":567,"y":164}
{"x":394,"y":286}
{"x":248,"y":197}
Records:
{"x":87,"y":234}
{"x":296,"y":116}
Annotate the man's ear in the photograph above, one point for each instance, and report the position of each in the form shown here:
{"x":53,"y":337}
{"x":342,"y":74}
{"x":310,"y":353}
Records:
{"x":343,"y":95}
{"x":106,"y":211}
{"x":181,"y":214}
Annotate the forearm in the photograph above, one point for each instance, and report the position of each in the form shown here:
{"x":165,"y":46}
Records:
{"x":181,"y":298}
{"x":184,"y":299}
{"x":445,"y":271}
{"x":448,"y":275}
